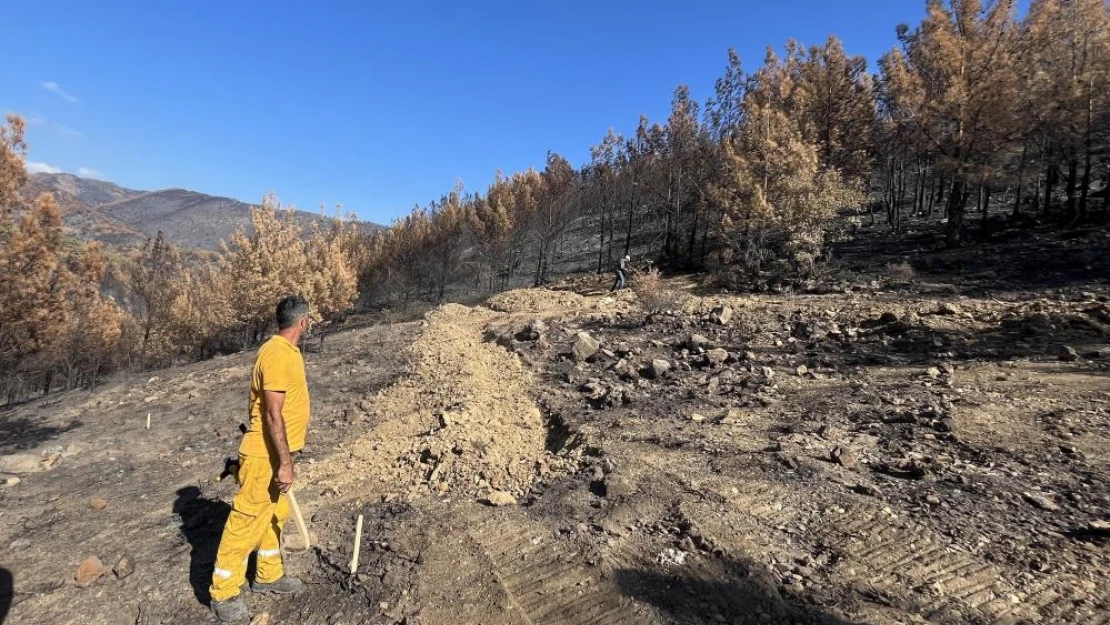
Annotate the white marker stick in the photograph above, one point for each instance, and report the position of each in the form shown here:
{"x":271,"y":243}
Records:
{"x":358,"y":544}
{"x":148,"y":420}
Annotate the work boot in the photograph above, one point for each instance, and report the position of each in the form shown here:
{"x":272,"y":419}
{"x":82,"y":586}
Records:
{"x":233,"y":610}
{"x":283,"y":586}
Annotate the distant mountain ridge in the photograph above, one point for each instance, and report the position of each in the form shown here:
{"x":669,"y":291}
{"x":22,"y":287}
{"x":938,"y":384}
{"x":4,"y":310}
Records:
{"x":104,"y":211}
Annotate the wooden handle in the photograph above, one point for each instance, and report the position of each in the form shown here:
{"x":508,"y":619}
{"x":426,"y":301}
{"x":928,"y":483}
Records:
{"x":301,"y":527}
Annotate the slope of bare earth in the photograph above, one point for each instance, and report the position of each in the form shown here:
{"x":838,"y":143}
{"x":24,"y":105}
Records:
{"x":919,"y":450}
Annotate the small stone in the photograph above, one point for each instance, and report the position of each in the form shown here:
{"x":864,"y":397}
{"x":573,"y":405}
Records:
{"x":89,"y":571}
{"x":948,"y":308}
{"x":932,"y":500}
{"x":888,"y":317}
{"x":802,"y":370}
{"x":866,"y":489}
{"x":721,"y":315}
{"x":98,"y":503}
{"x":697,"y":417}
{"x":716,"y":356}
{"x":1067,"y":354}
{"x":585,"y":347}
{"x":659,"y":368}
{"x":128,"y":615}
{"x":499,"y":498}
{"x":932,"y":372}
{"x":1040,"y":501}
{"x":19,"y":543}
{"x":22,"y":464}
{"x":261,"y":619}
{"x":12,"y":481}
{"x":697,"y":340}
{"x":844,"y":457}
{"x":124,"y":567}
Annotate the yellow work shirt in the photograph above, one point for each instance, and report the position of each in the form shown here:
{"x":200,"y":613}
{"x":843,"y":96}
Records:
{"x":280,"y":368}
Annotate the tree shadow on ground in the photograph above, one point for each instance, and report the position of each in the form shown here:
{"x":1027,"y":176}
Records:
{"x":1014,"y":256}
{"x":1037,"y":337}
{"x":202,"y":523}
{"x":7,"y":590}
{"x":20,"y":433}
{"x":728,"y":591}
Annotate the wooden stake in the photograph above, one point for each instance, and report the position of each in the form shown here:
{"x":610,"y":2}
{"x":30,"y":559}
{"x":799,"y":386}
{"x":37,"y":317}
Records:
{"x":301,"y":527}
{"x":358,"y":543}
{"x":148,"y":420}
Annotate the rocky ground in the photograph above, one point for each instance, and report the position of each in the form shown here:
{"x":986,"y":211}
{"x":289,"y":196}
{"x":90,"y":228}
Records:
{"x":899,"y":443}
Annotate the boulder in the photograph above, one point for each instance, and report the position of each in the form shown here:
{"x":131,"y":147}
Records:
{"x":585,"y":346}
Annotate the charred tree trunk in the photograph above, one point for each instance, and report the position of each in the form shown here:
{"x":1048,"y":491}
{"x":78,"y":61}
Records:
{"x":1085,"y":185}
{"x":1073,"y":175}
{"x":954,"y":232}
{"x":985,"y":200}
{"x":1021,"y":179}
{"x":1051,"y":177}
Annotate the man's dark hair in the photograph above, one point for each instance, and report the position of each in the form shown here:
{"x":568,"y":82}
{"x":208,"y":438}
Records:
{"x":290,"y":310}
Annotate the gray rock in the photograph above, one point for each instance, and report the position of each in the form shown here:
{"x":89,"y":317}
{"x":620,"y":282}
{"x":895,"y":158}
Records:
{"x":721,"y":315}
{"x":716,"y":356}
{"x":1040,"y":501}
{"x":659,"y":368}
{"x":585,"y":346}
{"x":22,"y":464}
{"x":125,"y":567}
{"x":697,"y":340}
{"x":844,"y":457}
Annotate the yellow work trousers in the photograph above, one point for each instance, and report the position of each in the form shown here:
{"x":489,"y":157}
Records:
{"x":257,"y":515}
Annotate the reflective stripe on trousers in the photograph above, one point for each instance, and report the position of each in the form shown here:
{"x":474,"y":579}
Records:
{"x":258,"y":513}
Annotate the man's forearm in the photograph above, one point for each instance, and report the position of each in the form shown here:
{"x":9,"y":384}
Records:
{"x":275,"y":426}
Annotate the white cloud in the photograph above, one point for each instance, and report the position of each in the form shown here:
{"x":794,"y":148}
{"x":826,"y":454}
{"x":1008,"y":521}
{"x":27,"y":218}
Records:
{"x":85,"y":172}
{"x":41,"y":168}
{"x":35,"y":119}
{"x":57,"y":90}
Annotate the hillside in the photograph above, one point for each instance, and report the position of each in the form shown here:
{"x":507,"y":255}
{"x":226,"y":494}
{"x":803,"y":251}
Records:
{"x":104,"y":211}
{"x":910,"y":449}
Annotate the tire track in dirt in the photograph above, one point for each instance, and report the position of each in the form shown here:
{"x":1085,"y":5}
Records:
{"x":550,"y":584}
{"x":902,"y":559}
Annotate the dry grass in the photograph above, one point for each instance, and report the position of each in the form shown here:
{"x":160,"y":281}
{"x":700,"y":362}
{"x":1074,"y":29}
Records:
{"x":901,"y":271}
{"x":654,"y":294}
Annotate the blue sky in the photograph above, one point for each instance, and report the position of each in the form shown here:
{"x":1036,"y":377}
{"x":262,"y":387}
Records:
{"x":375,"y":107}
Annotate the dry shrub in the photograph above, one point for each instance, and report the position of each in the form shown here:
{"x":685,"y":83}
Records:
{"x":901,"y":271}
{"x":654,"y":294}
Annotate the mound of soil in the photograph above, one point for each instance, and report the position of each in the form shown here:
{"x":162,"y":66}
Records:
{"x":462,"y":422}
{"x":536,"y":301}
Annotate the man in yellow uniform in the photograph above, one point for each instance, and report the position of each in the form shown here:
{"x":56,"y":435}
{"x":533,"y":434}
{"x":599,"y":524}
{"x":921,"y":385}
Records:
{"x":279,"y":410}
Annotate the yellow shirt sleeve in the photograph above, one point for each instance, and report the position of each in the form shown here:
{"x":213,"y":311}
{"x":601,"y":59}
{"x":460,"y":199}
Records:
{"x":277,"y":374}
